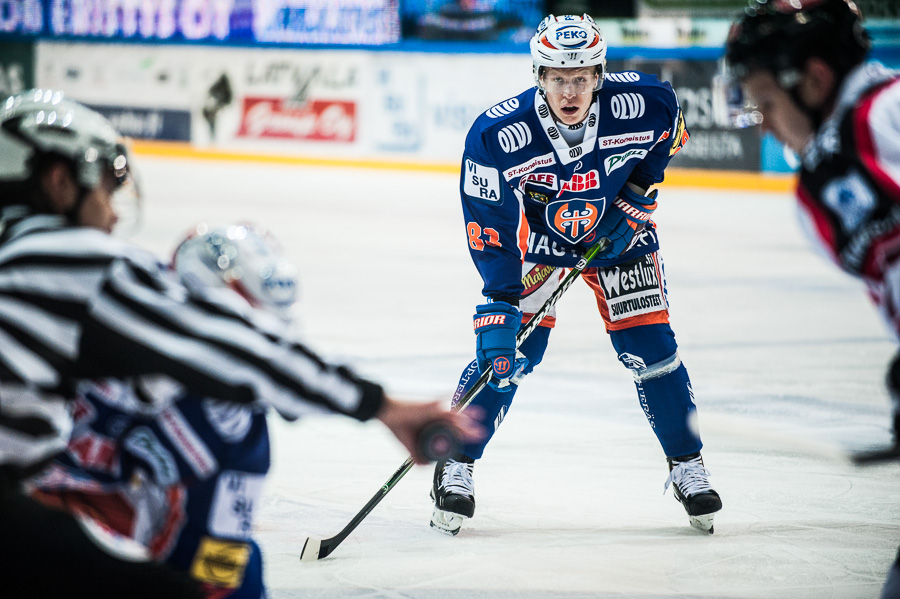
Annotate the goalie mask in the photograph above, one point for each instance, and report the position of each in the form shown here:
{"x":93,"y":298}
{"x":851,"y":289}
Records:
{"x":244,"y":258}
{"x":568,"y":42}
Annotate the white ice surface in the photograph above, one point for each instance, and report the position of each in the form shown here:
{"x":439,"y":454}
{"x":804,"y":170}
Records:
{"x":786,"y":357}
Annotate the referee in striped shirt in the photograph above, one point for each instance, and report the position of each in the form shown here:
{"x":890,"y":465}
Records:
{"x":77,"y":303}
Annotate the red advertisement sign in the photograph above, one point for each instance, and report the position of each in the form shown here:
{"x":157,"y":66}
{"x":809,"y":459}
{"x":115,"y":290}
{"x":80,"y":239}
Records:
{"x":317,"y":120}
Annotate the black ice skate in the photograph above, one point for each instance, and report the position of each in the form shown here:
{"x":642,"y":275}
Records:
{"x":690,"y":481}
{"x":453,"y":492}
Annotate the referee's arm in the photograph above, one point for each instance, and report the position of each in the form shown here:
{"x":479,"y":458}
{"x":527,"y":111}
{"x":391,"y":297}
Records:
{"x":142,"y":322}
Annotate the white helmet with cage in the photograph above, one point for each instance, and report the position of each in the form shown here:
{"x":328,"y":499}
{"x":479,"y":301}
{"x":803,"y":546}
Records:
{"x":244,"y":258}
{"x":43,"y":123}
{"x":568,"y":42}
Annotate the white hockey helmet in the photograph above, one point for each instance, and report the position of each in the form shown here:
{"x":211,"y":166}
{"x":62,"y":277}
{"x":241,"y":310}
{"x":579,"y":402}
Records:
{"x":568,"y":42}
{"x":39,"y":123}
{"x":242,"y":257}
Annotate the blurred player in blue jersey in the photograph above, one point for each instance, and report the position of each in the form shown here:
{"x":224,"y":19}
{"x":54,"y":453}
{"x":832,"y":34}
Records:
{"x":186,"y":482}
{"x":164,"y":471}
{"x":545,"y":175}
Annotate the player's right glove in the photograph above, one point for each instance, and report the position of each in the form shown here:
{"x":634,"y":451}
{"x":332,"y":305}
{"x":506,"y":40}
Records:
{"x":496,"y":325}
{"x":627,"y":217}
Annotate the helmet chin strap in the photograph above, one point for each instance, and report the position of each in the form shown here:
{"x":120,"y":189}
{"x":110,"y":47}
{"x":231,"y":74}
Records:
{"x":42,"y":203}
{"x":792,"y":87}
{"x":816,"y":115}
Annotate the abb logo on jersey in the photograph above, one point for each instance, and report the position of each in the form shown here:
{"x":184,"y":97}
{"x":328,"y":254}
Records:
{"x":581,"y":182}
{"x":489,"y":320}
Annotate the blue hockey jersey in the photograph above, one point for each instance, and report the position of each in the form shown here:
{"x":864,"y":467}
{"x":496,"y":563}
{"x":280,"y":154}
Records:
{"x":528,"y":195}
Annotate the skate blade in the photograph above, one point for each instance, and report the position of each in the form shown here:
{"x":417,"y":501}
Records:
{"x":446,"y":522}
{"x":703,"y":523}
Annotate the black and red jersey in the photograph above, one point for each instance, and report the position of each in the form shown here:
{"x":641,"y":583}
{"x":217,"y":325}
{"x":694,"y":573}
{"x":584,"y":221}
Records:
{"x":849,"y":188}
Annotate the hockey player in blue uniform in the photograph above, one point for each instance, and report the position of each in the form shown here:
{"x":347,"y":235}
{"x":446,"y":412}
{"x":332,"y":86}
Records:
{"x":184,"y":482}
{"x":545,"y":175}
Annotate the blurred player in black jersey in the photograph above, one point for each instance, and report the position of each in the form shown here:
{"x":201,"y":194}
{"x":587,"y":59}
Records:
{"x":800,"y":69}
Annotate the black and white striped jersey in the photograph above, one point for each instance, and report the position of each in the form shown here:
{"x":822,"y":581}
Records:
{"x":76,"y":303}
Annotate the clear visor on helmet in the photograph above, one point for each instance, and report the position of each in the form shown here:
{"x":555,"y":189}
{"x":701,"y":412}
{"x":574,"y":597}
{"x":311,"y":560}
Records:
{"x":732,"y":107}
{"x":557,"y":81}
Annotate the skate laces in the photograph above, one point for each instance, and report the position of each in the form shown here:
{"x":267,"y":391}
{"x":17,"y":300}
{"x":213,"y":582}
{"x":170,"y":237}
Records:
{"x":457,"y":478}
{"x":689,"y":477}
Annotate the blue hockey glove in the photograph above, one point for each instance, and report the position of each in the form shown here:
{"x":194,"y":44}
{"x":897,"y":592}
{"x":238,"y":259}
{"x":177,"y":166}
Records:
{"x":623,"y":220}
{"x":496,"y":325}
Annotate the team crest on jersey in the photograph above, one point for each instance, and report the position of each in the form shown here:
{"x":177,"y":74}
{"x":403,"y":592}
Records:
{"x":573,"y":220}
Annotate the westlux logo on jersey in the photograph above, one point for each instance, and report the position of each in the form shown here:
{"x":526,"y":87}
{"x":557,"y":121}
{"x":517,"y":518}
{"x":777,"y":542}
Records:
{"x":633,"y":288}
{"x":319,"y":120}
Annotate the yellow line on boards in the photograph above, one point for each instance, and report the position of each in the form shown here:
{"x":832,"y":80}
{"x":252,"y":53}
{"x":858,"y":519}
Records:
{"x":674,"y":176}
{"x":740,"y":180}
{"x":180,"y":150}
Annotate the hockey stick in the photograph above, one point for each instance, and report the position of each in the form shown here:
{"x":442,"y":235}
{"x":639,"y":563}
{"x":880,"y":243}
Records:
{"x":314,"y":549}
{"x":766,"y":435}
{"x":876,"y":456}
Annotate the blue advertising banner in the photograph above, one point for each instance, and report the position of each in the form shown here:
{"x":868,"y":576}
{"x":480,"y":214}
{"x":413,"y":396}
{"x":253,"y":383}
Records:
{"x":332,"y":22}
{"x":148,"y":123}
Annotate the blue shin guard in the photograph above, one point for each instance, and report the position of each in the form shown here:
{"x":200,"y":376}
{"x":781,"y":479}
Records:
{"x":491,"y":405}
{"x":663,"y":385}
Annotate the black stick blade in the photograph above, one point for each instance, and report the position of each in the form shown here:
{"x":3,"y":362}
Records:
{"x":877,"y":456}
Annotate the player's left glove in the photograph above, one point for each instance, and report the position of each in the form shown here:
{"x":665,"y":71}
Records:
{"x":627,"y":216}
{"x":496,"y":325}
